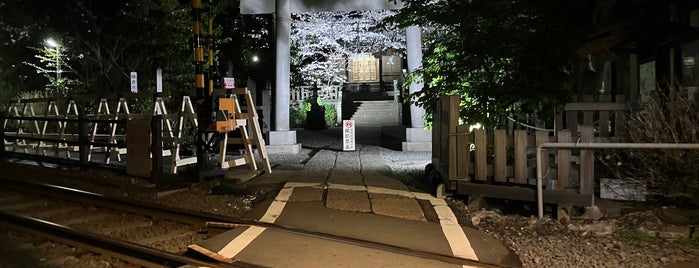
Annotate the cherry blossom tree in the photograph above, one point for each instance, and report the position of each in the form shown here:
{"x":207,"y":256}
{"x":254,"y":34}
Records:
{"x":322,"y":42}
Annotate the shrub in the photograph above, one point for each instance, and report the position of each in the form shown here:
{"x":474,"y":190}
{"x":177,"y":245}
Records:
{"x":671,"y":174}
{"x":298,"y":113}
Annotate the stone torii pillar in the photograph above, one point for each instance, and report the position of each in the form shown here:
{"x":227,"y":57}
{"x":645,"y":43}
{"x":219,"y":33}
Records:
{"x":417,"y":137}
{"x":282,"y":139}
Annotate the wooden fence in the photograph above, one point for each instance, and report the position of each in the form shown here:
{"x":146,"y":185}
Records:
{"x":605,"y":115}
{"x":325,"y":93}
{"x":502,"y":163}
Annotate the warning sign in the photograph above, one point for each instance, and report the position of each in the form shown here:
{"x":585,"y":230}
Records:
{"x":348,"y":135}
{"x":228,"y":82}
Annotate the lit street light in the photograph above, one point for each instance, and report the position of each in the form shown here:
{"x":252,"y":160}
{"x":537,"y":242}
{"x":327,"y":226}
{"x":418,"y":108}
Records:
{"x":52,"y":43}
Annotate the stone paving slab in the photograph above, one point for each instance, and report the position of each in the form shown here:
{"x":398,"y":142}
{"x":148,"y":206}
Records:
{"x":396,"y":206}
{"x":384,"y":182}
{"x":348,"y":200}
{"x":318,"y":177}
{"x":306,"y":194}
{"x":344,"y":177}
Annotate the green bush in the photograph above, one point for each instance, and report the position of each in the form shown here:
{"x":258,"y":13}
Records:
{"x":297,"y":115}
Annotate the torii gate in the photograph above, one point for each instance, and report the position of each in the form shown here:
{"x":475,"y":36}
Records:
{"x":282,"y":139}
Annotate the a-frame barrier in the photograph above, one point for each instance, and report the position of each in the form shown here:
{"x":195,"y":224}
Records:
{"x":242,"y":120}
{"x":61,"y":130}
{"x":13,"y":110}
{"x":186,"y":113}
{"x":23,"y":109}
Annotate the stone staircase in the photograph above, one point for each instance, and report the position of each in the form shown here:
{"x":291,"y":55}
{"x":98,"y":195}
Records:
{"x":375,"y":113}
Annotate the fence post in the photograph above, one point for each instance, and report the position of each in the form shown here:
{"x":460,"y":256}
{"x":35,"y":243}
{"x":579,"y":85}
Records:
{"x":156,"y":147}
{"x":563,"y":155}
{"x":481,"y":141}
{"x":542,"y":136}
{"x":500,"y":159}
{"x":587,"y":161}
{"x":2,"y":139}
{"x":520,"y":144}
{"x":83,"y":139}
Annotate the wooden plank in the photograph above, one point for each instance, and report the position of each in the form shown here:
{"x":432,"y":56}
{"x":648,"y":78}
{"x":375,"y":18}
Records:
{"x":520,"y":156}
{"x":138,"y":160}
{"x":620,"y":117}
{"x":604,"y":124}
{"x":563,"y":155}
{"x":453,"y":157}
{"x":500,"y":150}
{"x":588,"y":118}
{"x":522,"y":193}
{"x":572,"y":122}
{"x":454,"y":103}
{"x":444,"y":135}
{"x":603,"y":129}
{"x":595,"y":106}
{"x":558,"y":124}
{"x":481,"y":154}
{"x":587,"y":162}
{"x":463,"y":152}
{"x":541,"y":137}
{"x":436,"y":130}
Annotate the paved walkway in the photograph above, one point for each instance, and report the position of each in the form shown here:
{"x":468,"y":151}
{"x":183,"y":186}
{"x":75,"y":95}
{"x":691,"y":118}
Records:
{"x":351,"y":194}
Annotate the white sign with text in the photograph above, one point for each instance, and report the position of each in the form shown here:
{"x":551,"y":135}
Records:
{"x":228,"y":82}
{"x":134,"y":82}
{"x":348,"y":137}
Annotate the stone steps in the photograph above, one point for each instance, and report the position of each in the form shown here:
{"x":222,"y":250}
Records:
{"x":377,"y":113}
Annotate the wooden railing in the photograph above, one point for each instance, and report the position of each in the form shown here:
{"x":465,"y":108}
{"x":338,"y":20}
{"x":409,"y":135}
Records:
{"x":605,"y":115}
{"x":494,"y":156}
{"x":491,"y":162}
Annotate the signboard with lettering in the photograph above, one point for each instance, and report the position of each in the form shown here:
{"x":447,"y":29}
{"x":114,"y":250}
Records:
{"x":228,"y":82}
{"x":348,"y":137}
{"x":134,"y":82}
{"x":159,"y":80}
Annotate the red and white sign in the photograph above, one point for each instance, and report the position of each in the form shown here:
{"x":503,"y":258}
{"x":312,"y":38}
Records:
{"x":228,"y":82}
{"x":348,"y":138}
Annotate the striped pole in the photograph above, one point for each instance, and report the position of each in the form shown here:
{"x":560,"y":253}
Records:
{"x":198,"y":50}
{"x":201,"y":92}
{"x":211,"y":48}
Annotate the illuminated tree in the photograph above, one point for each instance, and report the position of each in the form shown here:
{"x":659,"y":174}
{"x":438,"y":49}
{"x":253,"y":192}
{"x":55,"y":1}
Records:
{"x":323,"y":41}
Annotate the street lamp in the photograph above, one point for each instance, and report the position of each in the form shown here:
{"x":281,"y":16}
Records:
{"x":52,"y":43}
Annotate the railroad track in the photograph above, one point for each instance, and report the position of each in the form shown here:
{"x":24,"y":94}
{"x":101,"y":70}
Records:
{"x":107,"y":226}
{"x":133,"y":233}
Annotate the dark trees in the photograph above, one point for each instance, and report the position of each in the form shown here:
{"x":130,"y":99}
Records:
{"x":501,"y":56}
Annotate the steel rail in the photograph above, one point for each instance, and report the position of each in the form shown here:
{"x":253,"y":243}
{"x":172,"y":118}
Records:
{"x":126,"y":251}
